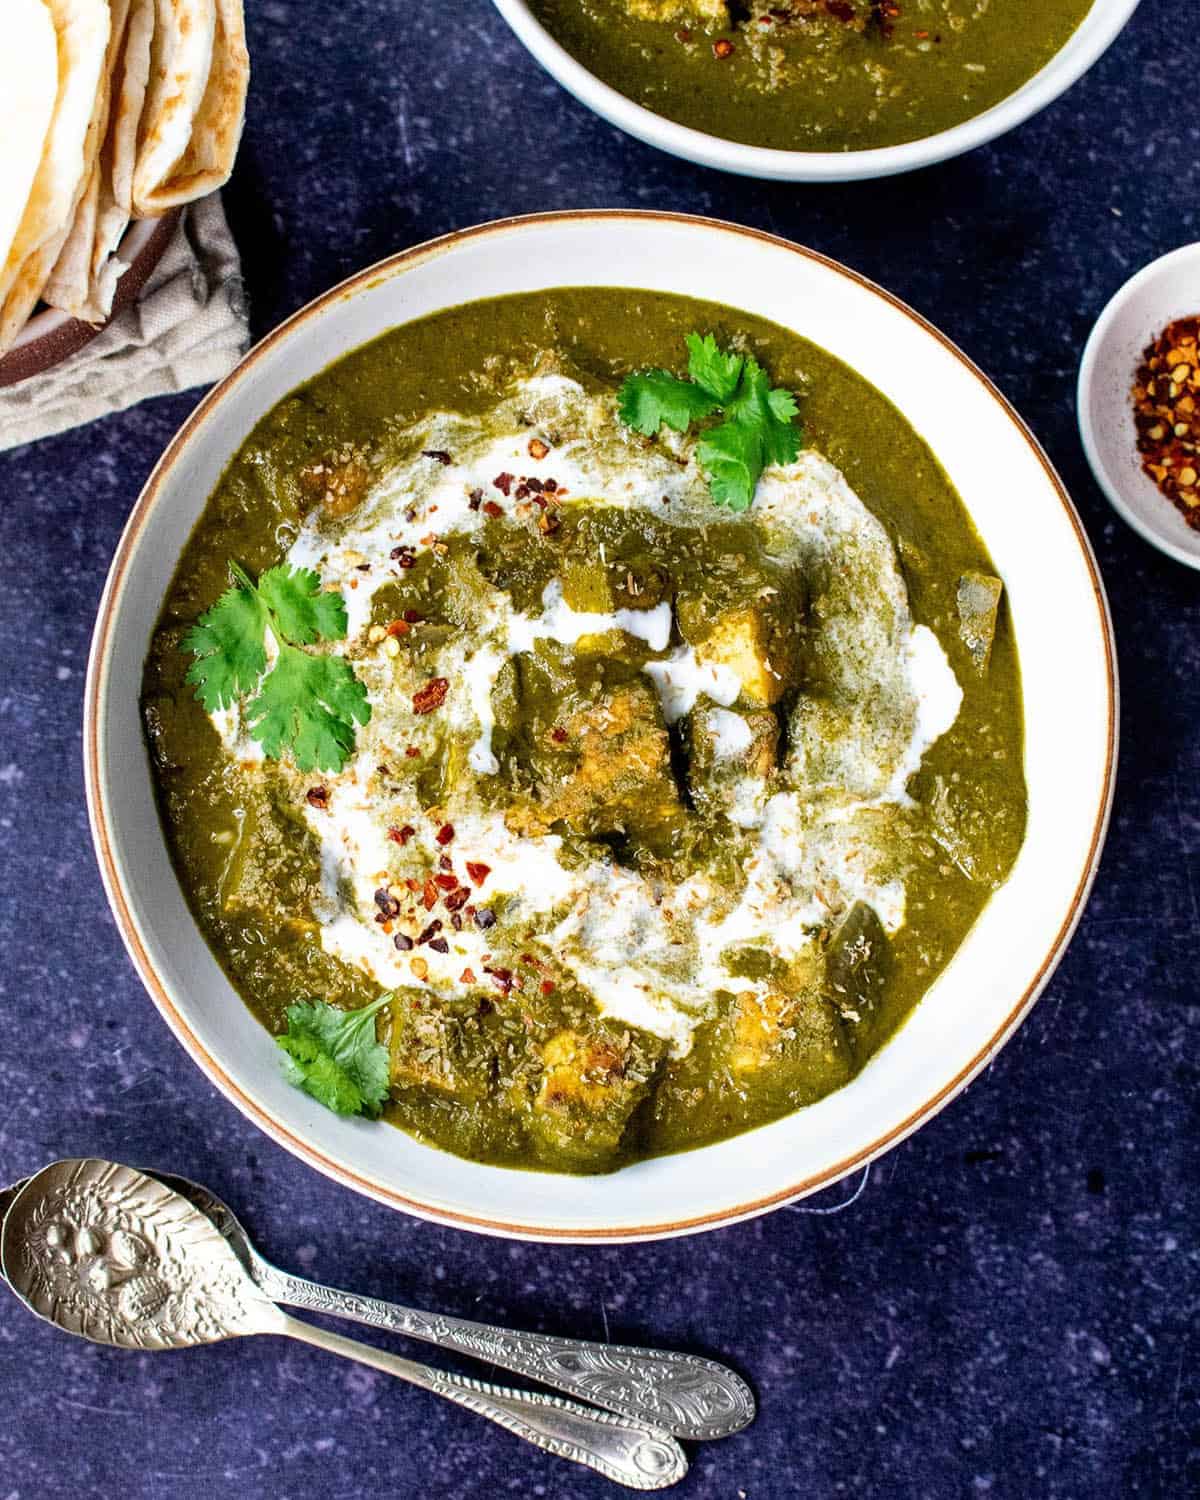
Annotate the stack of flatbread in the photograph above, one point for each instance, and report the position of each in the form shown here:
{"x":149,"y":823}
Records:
{"x":110,"y":110}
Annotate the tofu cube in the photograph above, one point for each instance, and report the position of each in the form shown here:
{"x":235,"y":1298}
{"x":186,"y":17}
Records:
{"x":714,"y":12}
{"x":793,"y":1034}
{"x":746,"y":618}
{"x":590,"y":1086}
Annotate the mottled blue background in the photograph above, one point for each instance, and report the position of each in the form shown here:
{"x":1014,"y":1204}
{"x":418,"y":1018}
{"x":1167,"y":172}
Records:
{"x":1008,"y":1306}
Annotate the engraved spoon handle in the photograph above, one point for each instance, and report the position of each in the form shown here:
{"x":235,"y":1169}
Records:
{"x":679,"y":1393}
{"x":637,"y":1456}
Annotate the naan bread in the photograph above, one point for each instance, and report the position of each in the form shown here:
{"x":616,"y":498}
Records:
{"x":119,"y":153}
{"x":70,"y":283}
{"x":134,"y":107}
{"x":195,"y":105}
{"x":28,"y":90}
{"x":208,"y":158}
{"x":199,"y":71}
{"x":82,"y":30}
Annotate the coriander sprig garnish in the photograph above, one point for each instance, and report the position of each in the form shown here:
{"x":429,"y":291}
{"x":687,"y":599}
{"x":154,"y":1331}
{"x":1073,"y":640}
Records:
{"x":759,"y":426}
{"x":307,"y":703}
{"x":334,"y":1055}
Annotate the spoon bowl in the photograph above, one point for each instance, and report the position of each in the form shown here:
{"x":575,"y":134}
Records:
{"x":120,"y":1258}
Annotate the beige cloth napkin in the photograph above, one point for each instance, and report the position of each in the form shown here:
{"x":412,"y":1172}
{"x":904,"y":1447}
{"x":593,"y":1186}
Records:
{"x":187,"y":327}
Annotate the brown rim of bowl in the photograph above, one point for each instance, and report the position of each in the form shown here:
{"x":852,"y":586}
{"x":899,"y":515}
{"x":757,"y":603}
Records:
{"x":97,"y":681}
{"x":63,"y":339}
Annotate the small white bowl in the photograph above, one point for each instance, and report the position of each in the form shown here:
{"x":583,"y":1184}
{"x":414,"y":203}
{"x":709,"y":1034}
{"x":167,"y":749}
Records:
{"x":1062,"y":630}
{"x":1166,"y":289}
{"x":1096,"y":32}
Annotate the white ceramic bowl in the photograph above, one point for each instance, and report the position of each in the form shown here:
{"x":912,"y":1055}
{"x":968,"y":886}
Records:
{"x":1166,"y":289}
{"x":1097,"y":31}
{"x":1063,"y":635}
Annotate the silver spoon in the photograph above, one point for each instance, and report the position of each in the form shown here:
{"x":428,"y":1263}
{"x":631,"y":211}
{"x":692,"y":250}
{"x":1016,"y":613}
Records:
{"x":679,"y":1393}
{"x":116,"y":1256}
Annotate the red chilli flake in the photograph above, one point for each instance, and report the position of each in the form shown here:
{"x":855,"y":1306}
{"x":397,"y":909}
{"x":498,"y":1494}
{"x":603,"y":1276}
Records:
{"x":503,"y":482}
{"x":559,"y":736}
{"x":413,"y":617}
{"x":447,"y":882}
{"x":723,"y":48}
{"x":458,"y":898}
{"x":478,"y":872}
{"x":501,"y":978}
{"x":412,"y":752}
{"x":398,"y":628}
{"x":439,"y":455}
{"x":431,"y":696}
{"x":467,"y":977}
{"x":401,"y":836}
{"x":317,"y":796}
{"x":492,"y":509}
{"x":538,"y":449}
{"x":429,"y":896}
{"x":445,"y":833}
{"x":547,"y":986}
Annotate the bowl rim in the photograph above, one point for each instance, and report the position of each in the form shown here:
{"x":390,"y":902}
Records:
{"x":1096,"y":32}
{"x":1085,"y":383}
{"x":103,"y":836}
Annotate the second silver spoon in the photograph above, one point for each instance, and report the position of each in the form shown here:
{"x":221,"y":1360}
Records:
{"x":679,"y":1393}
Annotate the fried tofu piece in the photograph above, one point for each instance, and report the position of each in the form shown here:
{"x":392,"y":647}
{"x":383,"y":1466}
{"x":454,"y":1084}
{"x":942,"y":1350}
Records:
{"x":794,"y":1033}
{"x":591,"y":1084}
{"x":429,"y":1048}
{"x":605,"y":769}
{"x":731,"y":754}
{"x":747,"y":618}
{"x":978,"y":601}
{"x":715,"y":12}
{"x":337,"y":482}
{"x":740,"y":641}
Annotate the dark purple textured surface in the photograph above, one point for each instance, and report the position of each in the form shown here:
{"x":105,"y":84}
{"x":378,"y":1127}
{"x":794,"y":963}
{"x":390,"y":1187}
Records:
{"x":1008,"y":1307}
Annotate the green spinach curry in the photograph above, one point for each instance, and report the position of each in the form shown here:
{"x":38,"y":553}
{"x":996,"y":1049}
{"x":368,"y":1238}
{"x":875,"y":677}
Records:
{"x":654,"y":818}
{"x":814,"y":75}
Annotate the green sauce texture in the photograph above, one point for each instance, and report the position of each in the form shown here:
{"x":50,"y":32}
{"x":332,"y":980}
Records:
{"x":528,"y":1073}
{"x":814,"y":75}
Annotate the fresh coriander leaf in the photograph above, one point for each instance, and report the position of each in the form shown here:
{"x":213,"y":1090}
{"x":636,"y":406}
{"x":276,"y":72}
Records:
{"x":783,"y":405}
{"x":769,"y":411}
{"x":334,"y":1056}
{"x":651,"y":399}
{"x":228,"y":645}
{"x":759,"y":426}
{"x":305,"y":612}
{"x":718,"y":373}
{"x":731,"y":456}
{"x":308,"y":705}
